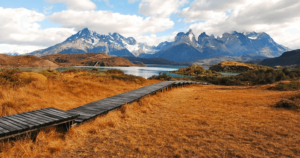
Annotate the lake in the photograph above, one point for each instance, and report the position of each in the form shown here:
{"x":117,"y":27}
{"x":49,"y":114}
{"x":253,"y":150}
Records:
{"x":146,"y":72}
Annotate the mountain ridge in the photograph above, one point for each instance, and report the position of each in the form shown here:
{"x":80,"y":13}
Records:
{"x":185,"y":47}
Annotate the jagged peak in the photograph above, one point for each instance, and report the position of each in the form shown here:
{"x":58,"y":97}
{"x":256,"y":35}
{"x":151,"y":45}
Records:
{"x":203,"y":34}
{"x":190,"y":32}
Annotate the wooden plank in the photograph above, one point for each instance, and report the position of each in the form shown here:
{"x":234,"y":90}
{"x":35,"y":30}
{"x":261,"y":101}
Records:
{"x":35,"y":119}
{"x":59,"y":116}
{"x":38,"y":113}
{"x":21,"y":122}
{"x":23,"y":127}
{"x":62,"y":112}
{"x":12,"y":128}
{"x":18,"y":117}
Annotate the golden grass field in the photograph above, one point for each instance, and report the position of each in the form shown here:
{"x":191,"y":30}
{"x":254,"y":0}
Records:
{"x":194,"y":121}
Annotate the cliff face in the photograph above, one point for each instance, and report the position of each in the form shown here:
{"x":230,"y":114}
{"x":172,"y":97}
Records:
{"x":87,"y":59}
{"x":7,"y":61}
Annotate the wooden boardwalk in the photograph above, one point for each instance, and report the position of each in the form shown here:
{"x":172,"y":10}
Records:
{"x":91,"y":110}
{"x":31,"y":122}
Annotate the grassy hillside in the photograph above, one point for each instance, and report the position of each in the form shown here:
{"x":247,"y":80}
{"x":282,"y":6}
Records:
{"x":233,"y":66}
{"x":196,"y":70}
{"x":7,"y":61}
{"x":88,"y":59}
{"x":27,"y":91}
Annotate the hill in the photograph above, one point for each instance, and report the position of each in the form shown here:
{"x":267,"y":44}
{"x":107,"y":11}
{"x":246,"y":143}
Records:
{"x":87,"y":59}
{"x":286,"y":59}
{"x":7,"y":61}
{"x":233,"y":66}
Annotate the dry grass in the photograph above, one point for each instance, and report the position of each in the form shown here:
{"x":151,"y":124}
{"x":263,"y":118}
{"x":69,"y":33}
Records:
{"x":63,"y":91}
{"x":234,"y":63}
{"x":197,"y":121}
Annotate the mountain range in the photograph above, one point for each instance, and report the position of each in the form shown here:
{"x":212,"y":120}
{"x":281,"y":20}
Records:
{"x":184,"y":48}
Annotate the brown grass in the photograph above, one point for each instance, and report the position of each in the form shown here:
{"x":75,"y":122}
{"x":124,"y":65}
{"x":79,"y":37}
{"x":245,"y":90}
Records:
{"x":196,"y":121}
{"x":63,"y":91}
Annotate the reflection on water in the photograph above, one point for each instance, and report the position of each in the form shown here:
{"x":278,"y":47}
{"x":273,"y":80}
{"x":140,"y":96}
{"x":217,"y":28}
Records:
{"x":146,"y":72}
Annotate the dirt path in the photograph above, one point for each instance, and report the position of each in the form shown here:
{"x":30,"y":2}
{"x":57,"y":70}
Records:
{"x":198,"y":121}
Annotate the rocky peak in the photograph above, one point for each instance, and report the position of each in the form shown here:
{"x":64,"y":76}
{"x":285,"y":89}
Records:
{"x":203,"y":34}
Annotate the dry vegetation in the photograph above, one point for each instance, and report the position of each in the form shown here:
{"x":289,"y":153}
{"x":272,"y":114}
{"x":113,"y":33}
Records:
{"x":27,"y":91}
{"x":195,"y":121}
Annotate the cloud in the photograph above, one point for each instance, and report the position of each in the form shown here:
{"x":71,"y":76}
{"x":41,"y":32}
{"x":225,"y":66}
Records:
{"x":76,"y":4}
{"x":153,"y":40}
{"x":20,"y":27}
{"x":132,"y":1}
{"x":278,"y":18}
{"x":21,"y":49}
{"x":160,"y":8}
{"x":104,"y":22}
{"x":47,"y":10}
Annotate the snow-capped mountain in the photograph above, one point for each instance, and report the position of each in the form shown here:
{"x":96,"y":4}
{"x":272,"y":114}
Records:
{"x":87,"y":41}
{"x":185,"y":47}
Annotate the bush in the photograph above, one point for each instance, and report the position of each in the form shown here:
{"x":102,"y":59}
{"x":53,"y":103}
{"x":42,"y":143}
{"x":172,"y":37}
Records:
{"x":72,"y":70}
{"x":115,"y":71}
{"x":287,"y":86}
{"x":13,"y":79}
{"x":161,"y":76}
{"x":130,"y":78}
{"x":286,"y":104}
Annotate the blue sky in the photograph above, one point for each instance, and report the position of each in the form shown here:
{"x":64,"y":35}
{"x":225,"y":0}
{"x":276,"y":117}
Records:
{"x":36,"y":24}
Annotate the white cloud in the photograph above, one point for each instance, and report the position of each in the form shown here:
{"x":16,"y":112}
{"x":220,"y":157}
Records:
{"x":153,"y":40}
{"x":104,"y":22}
{"x":77,"y":4}
{"x":160,"y":8}
{"x":47,"y":10}
{"x":20,"y":28}
{"x":279,"y":18}
{"x":132,"y":1}
{"x":21,"y":49}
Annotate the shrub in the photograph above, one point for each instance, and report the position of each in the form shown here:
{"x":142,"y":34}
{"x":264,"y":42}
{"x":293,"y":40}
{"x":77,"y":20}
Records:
{"x":49,"y":72}
{"x":12,"y":78}
{"x":115,"y":71}
{"x":161,"y":76}
{"x":130,"y":78}
{"x":72,"y":70}
{"x":286,"y":104}
{"x":287,"y":86}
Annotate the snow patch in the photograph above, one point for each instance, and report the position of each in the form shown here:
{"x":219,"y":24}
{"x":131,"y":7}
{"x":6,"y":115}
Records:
{"x":191,"y":37}
{"x":253,"y":37}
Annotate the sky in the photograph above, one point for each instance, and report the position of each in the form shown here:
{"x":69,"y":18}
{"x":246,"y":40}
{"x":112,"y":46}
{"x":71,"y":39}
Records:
{"x":37,"y":24}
